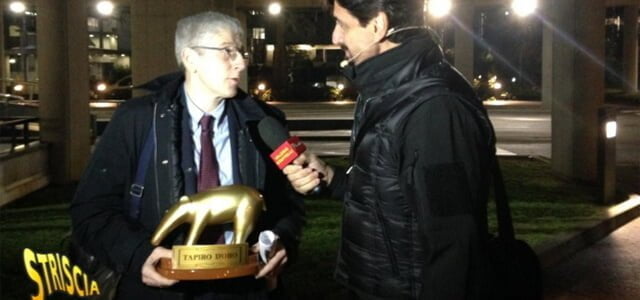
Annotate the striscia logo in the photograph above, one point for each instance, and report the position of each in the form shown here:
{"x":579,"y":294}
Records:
{"x":58,"y":274}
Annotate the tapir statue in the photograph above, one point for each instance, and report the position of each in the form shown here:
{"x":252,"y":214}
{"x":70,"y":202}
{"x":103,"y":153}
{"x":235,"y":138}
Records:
{"x":233,"y":203}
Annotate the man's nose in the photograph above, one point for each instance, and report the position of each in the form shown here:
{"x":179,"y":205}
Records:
{"x":239,"y":63}
{"x":337,"y":37}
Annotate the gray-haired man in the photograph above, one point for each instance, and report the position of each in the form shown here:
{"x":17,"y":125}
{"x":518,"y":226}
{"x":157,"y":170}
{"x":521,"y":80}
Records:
{"x":208,"y":50}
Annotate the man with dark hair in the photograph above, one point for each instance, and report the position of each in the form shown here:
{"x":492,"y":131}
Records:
{"x":204,"y":134}
{"x":415,"y":197}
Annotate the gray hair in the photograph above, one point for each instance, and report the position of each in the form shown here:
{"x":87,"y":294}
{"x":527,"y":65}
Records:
{"x":192,"y":29}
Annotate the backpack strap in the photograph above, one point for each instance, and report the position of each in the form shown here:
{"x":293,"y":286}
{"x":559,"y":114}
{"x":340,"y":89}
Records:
{"x":137,"y":187}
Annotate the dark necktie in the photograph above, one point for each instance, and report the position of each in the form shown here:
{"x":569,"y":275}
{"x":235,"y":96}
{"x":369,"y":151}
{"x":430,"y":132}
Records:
{"x":208,"y":176}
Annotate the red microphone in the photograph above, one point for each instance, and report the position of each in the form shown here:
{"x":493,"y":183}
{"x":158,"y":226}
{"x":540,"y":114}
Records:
{"x":288,"y":151}
{"x":285,"y":149}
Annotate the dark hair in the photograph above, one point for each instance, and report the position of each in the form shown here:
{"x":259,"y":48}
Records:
{"x":401,"y":13}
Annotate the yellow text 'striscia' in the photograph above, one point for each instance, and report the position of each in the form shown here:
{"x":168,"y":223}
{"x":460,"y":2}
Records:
{"x":52,"y":272}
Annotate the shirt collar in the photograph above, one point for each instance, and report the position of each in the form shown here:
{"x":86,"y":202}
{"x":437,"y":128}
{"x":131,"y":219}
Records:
{"x":196,"y":113}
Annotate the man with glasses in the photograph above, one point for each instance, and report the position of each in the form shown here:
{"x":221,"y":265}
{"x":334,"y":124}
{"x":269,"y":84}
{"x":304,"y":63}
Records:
{"x":204,"y":128}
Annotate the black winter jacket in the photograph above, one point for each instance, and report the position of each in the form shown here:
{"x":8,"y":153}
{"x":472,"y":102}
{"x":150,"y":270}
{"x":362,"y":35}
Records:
{"x":414,"y":221}
{"x":101,"y":205}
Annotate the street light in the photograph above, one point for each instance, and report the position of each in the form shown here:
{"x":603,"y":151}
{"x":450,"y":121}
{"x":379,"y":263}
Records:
{"x":275,"y":8}
{"x":17,"y":7}
{"x":438,"y":8}
{"x":524,"y":8}
{"x":105,"y":8}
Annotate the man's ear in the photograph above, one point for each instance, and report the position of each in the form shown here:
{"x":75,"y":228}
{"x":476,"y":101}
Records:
{"x":189,"y":59}
{"x":380,"y":25}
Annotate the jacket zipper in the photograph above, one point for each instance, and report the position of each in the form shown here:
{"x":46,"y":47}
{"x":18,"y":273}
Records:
{"x":385,"y":234}
{"x":387,"y":241}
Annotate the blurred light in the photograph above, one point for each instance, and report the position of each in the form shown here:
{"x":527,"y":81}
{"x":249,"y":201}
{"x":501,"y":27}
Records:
{"x":91,"y":35}
{"x":18,"y":87}
{"x":275,"y":8}
{"x":497,"y":86}
{"x":439,"y":8}
{"x":479,"y":76}
{"x":340,"y":86}
{"x":305,"y":47}
{"x":101,"y":87}
{"x":17,"y":7}
{"x":12,"y":60}
{"x":506,"y":13}
{"x":105,"y":8}
{"x":513,"y":79}
{"x":495,"y":102}
{"x":271,"y":47}
{"x":633,"y":201}
{"x":123,"y":55}
{"x":316,"y":85}
{"x":262,"y":87}
{"x":524,"y":8}
{"x":103,"y":104}
{"x":611,"y":129}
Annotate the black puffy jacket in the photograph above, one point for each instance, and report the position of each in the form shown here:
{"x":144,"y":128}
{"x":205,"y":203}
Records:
{"x":414,"y":221}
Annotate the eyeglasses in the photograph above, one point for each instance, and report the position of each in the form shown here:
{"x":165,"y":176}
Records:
{"x":232,"y":53}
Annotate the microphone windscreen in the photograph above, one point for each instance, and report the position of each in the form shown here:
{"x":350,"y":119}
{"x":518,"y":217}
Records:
{"x":272,"y":132}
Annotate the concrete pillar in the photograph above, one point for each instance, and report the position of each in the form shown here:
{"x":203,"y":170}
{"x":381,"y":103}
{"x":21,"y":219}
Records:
{"x":63,"y":76}
{"x":3,"y":60}
{"x":547,"y":54}
{"x":465,"y":10}
{"x":574,"y":61}
{"x":227,"y":7}
{"x":279,"y":57}
{"x":630,"y":48}
{"x":244,"y":77}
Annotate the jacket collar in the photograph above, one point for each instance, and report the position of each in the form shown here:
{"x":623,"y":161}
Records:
{"x":396,"y":66}
{"x":245,"y":108}
{"x":170,"y":89}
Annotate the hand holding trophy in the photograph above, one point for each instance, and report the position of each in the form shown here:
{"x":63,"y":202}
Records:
{"x":235,"y":203}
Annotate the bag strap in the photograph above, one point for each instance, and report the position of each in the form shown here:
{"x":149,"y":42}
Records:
{"x":505,"y":223}
{"x":137,"y":187}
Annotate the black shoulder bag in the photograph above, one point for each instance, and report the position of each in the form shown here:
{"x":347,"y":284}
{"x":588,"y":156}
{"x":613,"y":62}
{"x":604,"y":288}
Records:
{"x":514,"y":263}
{"x":106,"y":277}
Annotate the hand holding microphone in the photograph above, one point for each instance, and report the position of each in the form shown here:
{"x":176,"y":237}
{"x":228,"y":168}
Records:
{"x":306,"y":172}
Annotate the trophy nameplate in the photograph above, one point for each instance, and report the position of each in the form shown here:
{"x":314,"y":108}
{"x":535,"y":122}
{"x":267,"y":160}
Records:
{"x":236,"y":203}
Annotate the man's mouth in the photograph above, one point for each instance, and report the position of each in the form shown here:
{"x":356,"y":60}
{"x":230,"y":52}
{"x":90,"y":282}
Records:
{"x":347,"y":54}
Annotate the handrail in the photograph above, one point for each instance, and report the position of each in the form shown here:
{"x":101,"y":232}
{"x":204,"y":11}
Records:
{"x":11,"y":124}
{"x":8,"y":97}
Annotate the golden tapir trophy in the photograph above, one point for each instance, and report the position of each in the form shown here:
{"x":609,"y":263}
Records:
{"x":235,"y":203}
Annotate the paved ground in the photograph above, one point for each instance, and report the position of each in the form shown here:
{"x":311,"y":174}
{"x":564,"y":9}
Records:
{"x":610,"y":269}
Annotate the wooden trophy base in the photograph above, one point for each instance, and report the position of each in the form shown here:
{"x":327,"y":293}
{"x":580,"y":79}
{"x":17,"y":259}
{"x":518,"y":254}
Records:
{"x":209,"y":262}
{"x":165,"y":268}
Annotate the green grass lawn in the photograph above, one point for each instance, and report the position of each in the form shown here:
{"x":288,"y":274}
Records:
{"x":543,"y":207}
